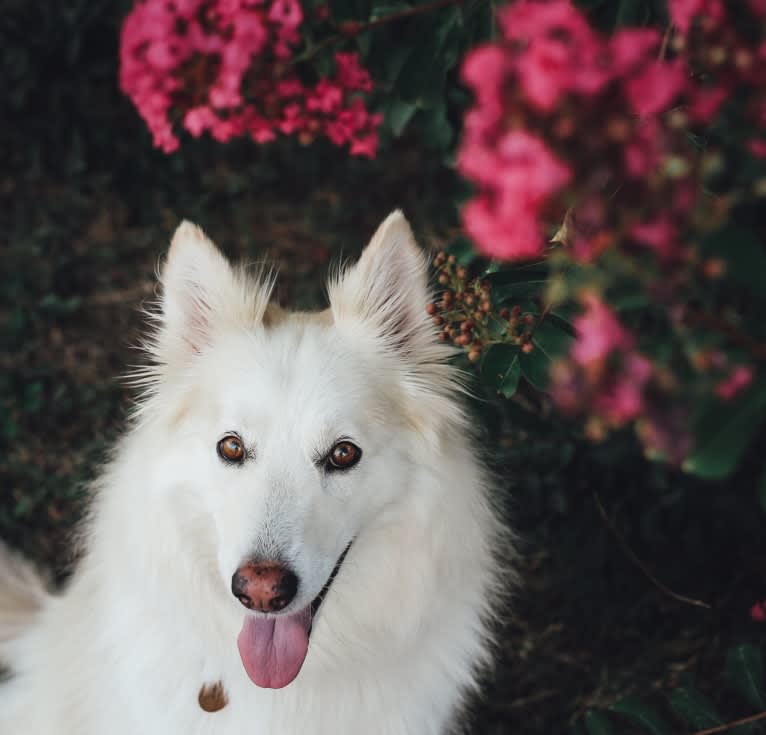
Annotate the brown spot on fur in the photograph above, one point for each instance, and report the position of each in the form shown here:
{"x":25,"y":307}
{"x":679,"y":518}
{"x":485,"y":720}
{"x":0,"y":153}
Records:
{"x":212,"y":697}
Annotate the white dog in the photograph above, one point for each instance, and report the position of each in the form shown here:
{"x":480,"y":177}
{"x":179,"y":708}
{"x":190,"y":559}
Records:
{"x":294,"y":538}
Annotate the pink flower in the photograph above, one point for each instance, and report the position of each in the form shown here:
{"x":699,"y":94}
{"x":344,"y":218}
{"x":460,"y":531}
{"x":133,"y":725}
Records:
{"x":757,"y":147}
{"x":737,"y":380}
{"x":705,"y":103}
{"x":683,"y":12}
{"x":365,"y":145}
{"x":599,"y":332}
{"x":484,"y":70}
{"x":199,"y":119}
{"x":189,"y":59}
{"x":758,"y":612}
{"x":287,"y":13}
{"x":351,"y":74}
{"x":643,"y":151}
{"x":660,"y":234}
{"x":622,"y":399}
{"x":326,"y":97}
{"x":560,"y":53}
{"x":631,"y":48}
{"x":513,"y":238}
{"x":655,"y":87}
{"x":520,"y":175}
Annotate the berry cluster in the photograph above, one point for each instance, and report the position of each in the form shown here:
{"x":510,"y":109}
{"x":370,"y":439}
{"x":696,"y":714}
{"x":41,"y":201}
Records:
{"x":467,"y":318}
{"x":226,"y":67}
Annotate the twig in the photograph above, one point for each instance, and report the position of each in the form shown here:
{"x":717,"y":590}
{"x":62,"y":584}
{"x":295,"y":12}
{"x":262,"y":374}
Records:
{"x":728,"y":330}
{"x":734,"y":723}
{"x":665,"y":42}
{"x":357,"y":28}
{"x":632,"y":556}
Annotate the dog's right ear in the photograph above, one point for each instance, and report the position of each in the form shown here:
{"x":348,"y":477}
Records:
{"x":202,"y":295}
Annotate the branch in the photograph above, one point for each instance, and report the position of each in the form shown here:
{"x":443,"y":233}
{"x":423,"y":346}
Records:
{"x":632,"y":556}
{"x":665,"y":41}
{"x":351,"y":28}
{"x":734,"y":723}
{"x":727,"y":329}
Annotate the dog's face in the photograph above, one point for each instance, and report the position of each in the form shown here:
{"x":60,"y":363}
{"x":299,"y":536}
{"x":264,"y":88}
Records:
{"x":292,"y":433}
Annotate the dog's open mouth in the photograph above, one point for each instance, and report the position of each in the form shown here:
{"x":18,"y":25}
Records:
{"x":273,"y":648}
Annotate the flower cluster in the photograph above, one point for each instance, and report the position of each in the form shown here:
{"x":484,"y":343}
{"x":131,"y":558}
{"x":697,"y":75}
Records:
{"x":226,"y":67}
{"x":565,"y":117}
{"x":607,"y":378}
{"x":725,"y":52}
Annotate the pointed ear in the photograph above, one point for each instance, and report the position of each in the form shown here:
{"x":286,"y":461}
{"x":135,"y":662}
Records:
{"x":203,"y":295}
{"x":387,"y":289}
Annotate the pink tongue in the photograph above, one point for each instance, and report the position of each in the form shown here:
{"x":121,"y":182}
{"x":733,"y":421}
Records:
{"x":273,"y":649}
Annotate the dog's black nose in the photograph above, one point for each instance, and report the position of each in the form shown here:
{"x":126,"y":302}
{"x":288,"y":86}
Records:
{"x":267,"y":586}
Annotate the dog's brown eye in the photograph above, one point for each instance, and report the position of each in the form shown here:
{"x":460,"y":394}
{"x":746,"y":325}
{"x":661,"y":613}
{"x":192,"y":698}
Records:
{"x":231,"y":449}
{"x":343,"y":455}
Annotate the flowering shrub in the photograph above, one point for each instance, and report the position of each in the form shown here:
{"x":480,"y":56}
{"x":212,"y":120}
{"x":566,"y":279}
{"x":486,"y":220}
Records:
{"x":564,"y":116}
{"x":637,"y":146}
{"x":612,"y":135}
{"x":228,"y":68}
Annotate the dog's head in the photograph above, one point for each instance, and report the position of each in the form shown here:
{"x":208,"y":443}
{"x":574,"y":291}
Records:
{"x":292,"y":433}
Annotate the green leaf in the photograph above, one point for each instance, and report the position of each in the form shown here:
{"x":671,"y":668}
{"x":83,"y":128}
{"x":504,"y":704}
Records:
{"x":496,"y":327}
{"x":694,"y":707}
{"x":632,"y":13}
{"x":387,"y":7}
{"x":519,"y":282}
{"x":535,"y":367}
{"x":597,"y":723}
{"x":743,"y":253}
{"x":643,"y":714}
{"x":450,"y":33}
{"x":437,"y":128}
{"x":550,"y":343}
{"x":423,"y":76}
{"x":398,"y":113}
{"x":463,"y":250}
{"x":744,"y":671}
{"x":723,"y":433}
{"x":501,"y":370}
{"x":394,"y":61}
{"x":552,"y":339}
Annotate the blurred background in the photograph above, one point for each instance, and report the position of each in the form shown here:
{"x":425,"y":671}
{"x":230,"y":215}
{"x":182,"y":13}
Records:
{"x":638,"y":580}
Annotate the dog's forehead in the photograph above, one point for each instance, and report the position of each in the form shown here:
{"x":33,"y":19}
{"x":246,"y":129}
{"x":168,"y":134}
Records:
{"x":293,"y":367}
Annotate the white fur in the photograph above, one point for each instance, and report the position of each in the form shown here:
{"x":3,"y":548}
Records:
{"x":148,"y":617}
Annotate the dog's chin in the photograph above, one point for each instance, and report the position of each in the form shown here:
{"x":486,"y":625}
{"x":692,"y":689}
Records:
{"x":273,"y":647}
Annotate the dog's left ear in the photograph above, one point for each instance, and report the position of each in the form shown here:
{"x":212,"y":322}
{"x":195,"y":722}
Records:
{"x":387,"y":289}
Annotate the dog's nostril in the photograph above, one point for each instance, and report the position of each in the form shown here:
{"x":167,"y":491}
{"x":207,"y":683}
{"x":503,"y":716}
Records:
{"x":277,"y":603}
{"x":287,"y":587}
{"x":238,"y":585}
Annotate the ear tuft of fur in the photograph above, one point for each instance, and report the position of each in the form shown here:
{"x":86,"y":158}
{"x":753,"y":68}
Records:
{"x":387,"y":288}
{"x":385,"y":294}
{"x":202,"y":296}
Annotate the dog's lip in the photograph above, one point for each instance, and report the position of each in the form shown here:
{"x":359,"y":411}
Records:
{"x":316,"y":603}
{"x":319,"y":599}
